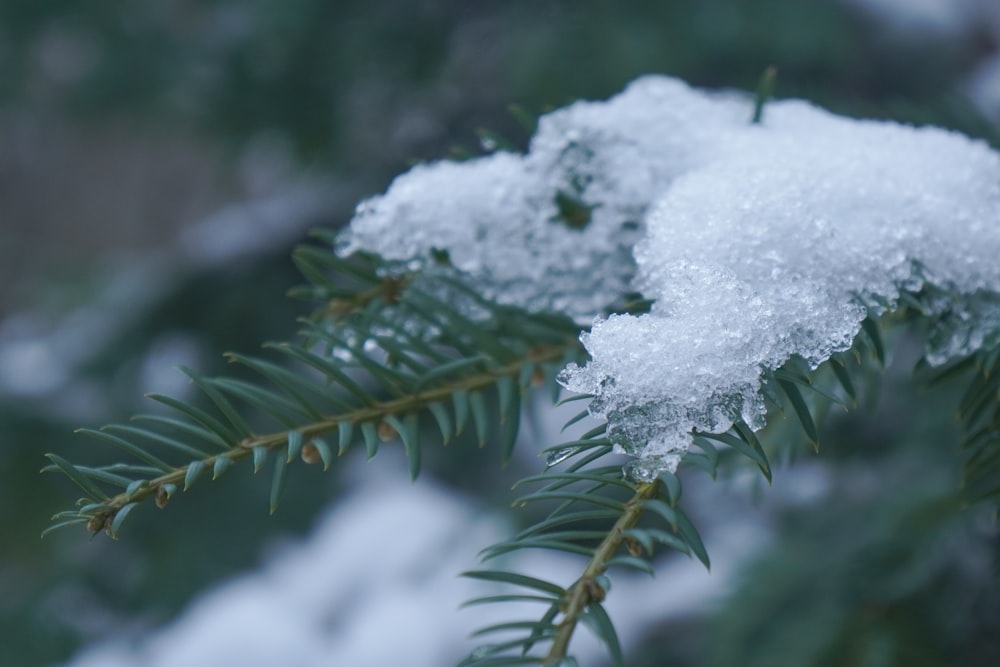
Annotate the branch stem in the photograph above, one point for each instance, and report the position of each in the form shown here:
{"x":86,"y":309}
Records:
{"x":587,"y":590}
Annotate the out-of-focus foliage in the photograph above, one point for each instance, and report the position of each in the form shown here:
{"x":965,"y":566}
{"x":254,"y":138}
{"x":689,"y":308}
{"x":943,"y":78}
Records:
{"x":359,"y":89}
{"x":367,"y":80}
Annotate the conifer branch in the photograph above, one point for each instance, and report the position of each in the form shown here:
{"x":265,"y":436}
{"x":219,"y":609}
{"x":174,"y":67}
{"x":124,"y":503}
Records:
{"x":102,"y":513}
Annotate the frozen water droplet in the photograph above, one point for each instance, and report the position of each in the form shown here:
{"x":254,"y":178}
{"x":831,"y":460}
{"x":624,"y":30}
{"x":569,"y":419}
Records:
{"x":370,"y":346}
{"x":488,"y":143}
{"x":560,"y":455}
{"x":641,"y":471}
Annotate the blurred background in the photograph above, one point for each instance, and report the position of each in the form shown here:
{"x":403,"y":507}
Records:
{"x":159,"y":160}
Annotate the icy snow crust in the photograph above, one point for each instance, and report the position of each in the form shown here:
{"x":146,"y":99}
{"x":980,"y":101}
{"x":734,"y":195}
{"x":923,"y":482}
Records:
{"x":757,"y":243}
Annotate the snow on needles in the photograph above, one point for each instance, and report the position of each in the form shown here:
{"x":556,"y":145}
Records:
{"x":757,"y":243}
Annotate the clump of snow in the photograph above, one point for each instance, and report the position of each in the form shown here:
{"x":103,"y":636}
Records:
{"x":758,"y":243}
{"x":552,"y":229}
{"x":772,"y":249}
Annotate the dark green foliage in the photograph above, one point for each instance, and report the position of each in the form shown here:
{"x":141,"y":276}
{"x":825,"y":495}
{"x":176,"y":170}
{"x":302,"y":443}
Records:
{"x":873,"y":579}
{"x":979,"y":416}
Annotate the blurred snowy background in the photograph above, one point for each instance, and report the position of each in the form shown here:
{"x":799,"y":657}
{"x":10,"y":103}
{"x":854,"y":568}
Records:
{"x":159,"y":160}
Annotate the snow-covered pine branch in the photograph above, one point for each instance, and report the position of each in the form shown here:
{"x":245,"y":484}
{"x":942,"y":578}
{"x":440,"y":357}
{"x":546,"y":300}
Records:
{"x":756,"y":242}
